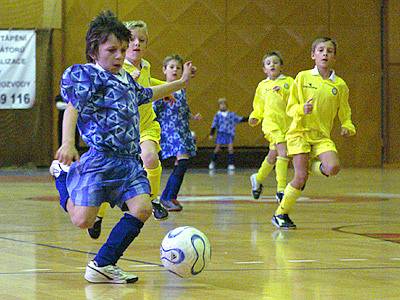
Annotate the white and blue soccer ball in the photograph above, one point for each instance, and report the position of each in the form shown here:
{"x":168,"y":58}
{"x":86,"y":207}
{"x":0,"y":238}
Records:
{"x":185,"y":251}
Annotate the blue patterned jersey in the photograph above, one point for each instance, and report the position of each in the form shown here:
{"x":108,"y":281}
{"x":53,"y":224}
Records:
{"x":174,"y":115}
{"x":226,"y":121}
{"x":108,"y":117}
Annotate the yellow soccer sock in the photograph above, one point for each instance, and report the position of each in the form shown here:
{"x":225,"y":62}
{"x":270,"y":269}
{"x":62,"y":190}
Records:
{"x":154,"y":177}
{"x":316,"y":168}
{"x":281,"y":173}
{"x":288,"y":201}
{"x":102,"y":210}
{"x":264,"y":171}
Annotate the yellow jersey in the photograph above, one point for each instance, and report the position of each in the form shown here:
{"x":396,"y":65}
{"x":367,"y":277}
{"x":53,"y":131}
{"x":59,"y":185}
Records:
{"x":146,"y":112}
{"x":269,"y":105}
{"x":330,"y":98}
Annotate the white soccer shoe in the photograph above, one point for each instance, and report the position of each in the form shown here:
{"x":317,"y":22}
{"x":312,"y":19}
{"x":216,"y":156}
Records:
{"x":57,"y":168}
{"x":107,"y":274}
{"x":231,"y":167}
{"x":211,"y":166}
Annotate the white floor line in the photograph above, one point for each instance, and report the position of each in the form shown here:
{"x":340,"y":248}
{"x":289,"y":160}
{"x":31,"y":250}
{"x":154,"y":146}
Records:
{"x":35,"y":270}
{"x":248,"y":262}
{"x":144,"y":266}
{"x":353,"y":259}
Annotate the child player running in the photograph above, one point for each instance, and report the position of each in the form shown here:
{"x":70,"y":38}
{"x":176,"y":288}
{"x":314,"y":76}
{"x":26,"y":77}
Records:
{"x":316,"y":97}
{"x":139,"y":69}
{"x":174,"y":115}
{"x":269,"y":106}
{"x":103,"y":102}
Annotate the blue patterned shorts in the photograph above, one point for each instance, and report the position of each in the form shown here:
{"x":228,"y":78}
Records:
{"x":103,"y":177}
{"x":224,"y":138}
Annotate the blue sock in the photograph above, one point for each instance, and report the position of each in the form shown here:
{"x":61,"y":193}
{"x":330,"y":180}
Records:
{"x":121,"y":236}
{"x":175,"y":180}
{"x":61,"y":185}
{"x":231,"y":158}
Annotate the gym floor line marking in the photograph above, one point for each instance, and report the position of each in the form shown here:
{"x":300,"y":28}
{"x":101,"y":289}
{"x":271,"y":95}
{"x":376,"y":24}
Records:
{"x":36,"y":270}
{"x":302,"y":260}
{"x":72,"y":250}
{"x":353,"y":259}
{"x":143,"y":266}
{"x":233,"y":198}
{"x":248,"y":262}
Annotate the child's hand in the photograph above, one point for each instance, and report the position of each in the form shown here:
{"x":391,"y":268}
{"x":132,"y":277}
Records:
{"x":345,"y":132}
{"x":276,"y":88}
{"x":308,"y":107}
{"x":67,"y":153}
{"x":135,"y":75}
{"x":197,"y":117}
{"x":189,"y":71}
{"x":253,"y":121}
{"x":210,"y":137}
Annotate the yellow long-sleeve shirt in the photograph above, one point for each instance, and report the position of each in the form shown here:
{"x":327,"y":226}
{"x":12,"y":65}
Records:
{"x":269,"y":106}
{"x":146,"y":112}
{"x":330,"y":98}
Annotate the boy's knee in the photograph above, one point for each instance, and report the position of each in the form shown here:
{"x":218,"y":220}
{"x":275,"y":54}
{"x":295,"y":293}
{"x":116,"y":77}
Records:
{"x":150,"y":160}
{"x":331,"y":170}
{"x":82,"y":223}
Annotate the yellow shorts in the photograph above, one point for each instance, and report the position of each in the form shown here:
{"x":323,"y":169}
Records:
{"x":305,"y":144}
{"x":275,"y":137}
{"x":152,"y":132}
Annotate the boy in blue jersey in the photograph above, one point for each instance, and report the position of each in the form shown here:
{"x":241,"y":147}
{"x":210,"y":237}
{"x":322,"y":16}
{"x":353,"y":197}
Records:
{"x":224,"y":124}
{"x":174,"y":115}
{"x":103,"y":101}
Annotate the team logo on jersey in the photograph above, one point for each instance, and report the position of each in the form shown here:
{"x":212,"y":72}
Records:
{"x":309,"y":86}
{"x":334,"y":91}
{"x":286,"y":85}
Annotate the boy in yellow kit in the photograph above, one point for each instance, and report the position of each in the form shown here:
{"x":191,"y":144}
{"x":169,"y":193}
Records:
{"x":269,"y":106}
{"x":150,"y":129}
{"x":316,"y":97}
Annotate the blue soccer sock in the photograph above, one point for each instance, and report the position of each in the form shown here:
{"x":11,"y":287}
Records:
{"x":175,"y":181}
{"x":61,"y":185}
{"x":121,"y":236}
{"x":231,"y":158}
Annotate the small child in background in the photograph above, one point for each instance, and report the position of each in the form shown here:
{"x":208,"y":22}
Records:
{"x":224,"y":124}
{"x":177,"y":141}
{"x":269,"y":106}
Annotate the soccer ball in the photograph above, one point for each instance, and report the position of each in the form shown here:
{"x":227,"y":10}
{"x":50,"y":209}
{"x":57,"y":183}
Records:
{"x":185,"y":251}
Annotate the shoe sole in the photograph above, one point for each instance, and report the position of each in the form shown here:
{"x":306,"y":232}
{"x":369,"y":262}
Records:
{"x":105,"y":279}
{"x":160,"y":219}
{"x":280,"y":227}
{"x":100,"y":281}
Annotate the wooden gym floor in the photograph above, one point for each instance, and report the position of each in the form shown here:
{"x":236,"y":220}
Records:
{"x":347,"y":245}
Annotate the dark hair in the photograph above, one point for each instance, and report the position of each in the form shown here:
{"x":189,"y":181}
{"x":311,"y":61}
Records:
{"x":176,"y":57}
{"x":273,"y":53}
{"x":323,"y":40}
{"x":100,"y":28}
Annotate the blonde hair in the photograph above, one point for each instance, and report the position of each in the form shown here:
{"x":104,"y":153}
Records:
{"x":221,"y":100}
{"x":323,"y":40}
{"x":137,"y":24}
{"x":176,"y":57}
{"x":272,"y":53}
